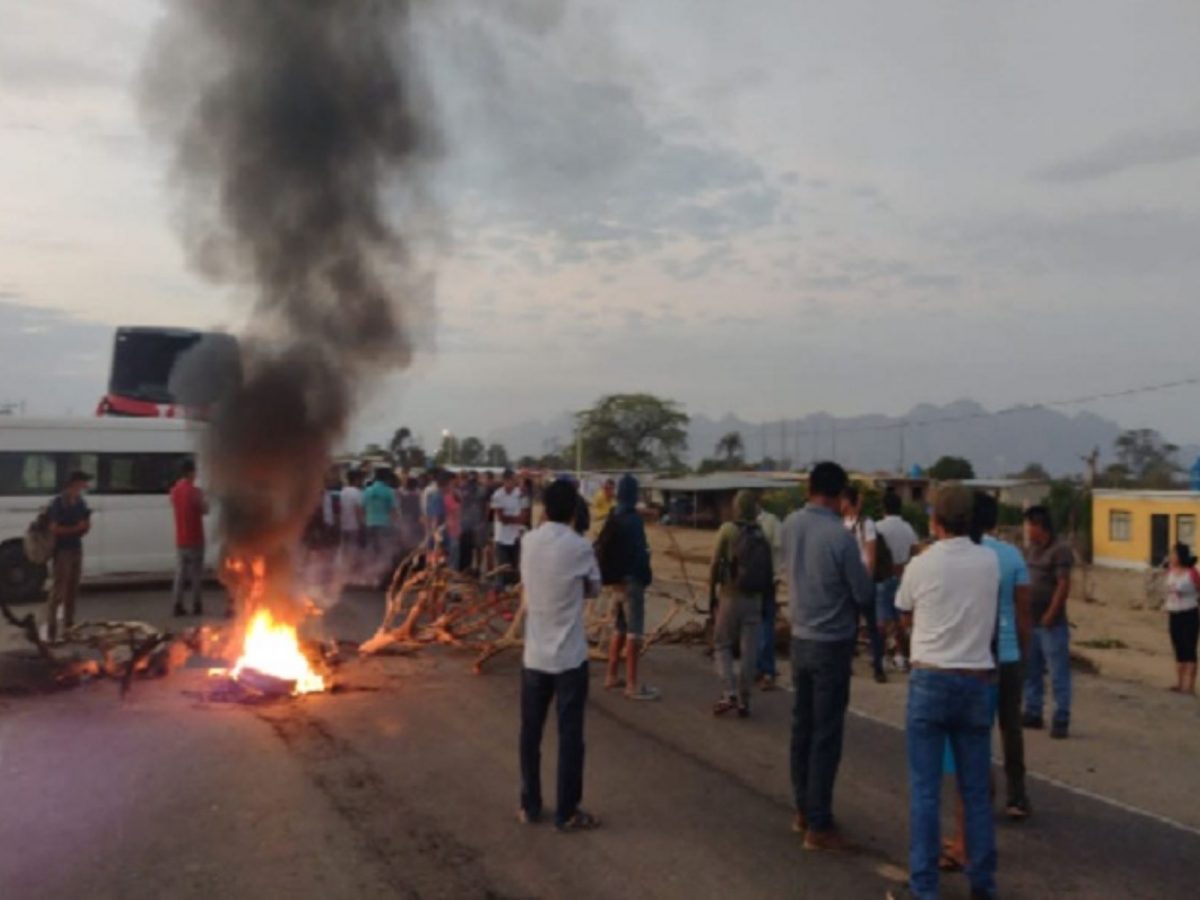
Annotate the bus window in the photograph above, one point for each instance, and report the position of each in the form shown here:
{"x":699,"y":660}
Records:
{"x":83,"y":462}
{"x":139,"y":473}
{"x":24,"y":474}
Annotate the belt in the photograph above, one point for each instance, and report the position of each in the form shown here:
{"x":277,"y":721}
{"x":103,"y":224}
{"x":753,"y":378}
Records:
{"x":980,"y":674}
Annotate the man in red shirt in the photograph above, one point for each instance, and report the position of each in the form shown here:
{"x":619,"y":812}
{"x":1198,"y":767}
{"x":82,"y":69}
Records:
{"x":190,"y":506}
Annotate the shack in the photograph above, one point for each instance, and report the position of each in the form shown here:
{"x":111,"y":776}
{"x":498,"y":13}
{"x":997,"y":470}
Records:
{"x":1136,"y":529}
{"x":705,"y":501}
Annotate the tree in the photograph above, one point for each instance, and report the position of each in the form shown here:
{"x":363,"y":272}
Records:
{"x":1149,"y":459}
{"x":1033,"y":471}
{"x":951,"y":468}
{"x":375,"y":451}
{"x":527,"y":462}
{"x":633,"y":431}
{"x":448,"y":453}
{"x":731,"y":447}
{"x":404,"y":452}
{"x":496,"y":456}
{"x":399,"y":440}
{"x":471,"y":452}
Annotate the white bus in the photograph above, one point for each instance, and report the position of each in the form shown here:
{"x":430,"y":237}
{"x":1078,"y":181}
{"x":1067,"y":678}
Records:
{"x":134,"y":462}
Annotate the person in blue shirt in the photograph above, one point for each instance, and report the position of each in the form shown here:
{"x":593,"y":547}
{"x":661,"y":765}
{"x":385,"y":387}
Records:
{"x":379,"y":513}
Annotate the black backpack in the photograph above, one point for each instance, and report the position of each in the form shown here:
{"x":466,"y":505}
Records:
{"x":753,"y":569}
{"x":608,"y":552}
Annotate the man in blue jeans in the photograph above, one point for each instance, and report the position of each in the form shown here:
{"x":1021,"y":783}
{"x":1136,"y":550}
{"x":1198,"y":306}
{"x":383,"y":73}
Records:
{"x":1049,"y":564}
{"x":951,"y":594}
{"x":558,"y":572}
{"x":828,"y":586}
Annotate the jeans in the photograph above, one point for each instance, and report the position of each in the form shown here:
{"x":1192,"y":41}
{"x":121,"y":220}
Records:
{"x":1050,"y":646}
{"x":570,"y":689}
{"x":944,"y":706}
{"x":766,"y":631}
{"x":1012,"y":735}
{"x":189,"y":566}
{"x":821,"y":674}
{"x":739,"y":617}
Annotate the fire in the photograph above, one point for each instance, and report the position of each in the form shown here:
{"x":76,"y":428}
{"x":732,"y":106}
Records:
{"x":272,"y":648}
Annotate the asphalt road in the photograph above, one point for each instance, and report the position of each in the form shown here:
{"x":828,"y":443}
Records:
{"x":404,"y":785}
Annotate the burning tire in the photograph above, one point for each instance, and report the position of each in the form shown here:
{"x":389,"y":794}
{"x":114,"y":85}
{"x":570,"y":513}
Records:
{"x":20,"y":580}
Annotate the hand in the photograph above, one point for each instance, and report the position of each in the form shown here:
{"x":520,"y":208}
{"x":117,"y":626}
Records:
{"x":1047,"y":621}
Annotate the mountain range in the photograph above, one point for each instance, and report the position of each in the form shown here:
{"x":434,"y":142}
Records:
{"x":996,"y":443}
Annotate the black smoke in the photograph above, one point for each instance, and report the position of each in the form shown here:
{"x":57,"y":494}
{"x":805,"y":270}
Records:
{"x":296,"y":125}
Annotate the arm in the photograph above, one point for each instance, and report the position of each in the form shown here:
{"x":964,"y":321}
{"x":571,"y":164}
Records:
{"x":870,"y":561}
{"x":1024,"y":616}
{"x":1062,"y":589}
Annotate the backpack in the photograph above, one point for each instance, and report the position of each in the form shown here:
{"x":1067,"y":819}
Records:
{"x":39,"y":539}
{"x":753,"y":570}
{"x":608,"y":552}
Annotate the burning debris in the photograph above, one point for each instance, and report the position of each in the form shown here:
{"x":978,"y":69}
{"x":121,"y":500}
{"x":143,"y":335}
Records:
{"x":295,"y":126}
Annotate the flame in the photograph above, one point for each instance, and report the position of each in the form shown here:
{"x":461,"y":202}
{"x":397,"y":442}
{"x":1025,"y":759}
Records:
{"x":272,"y":648}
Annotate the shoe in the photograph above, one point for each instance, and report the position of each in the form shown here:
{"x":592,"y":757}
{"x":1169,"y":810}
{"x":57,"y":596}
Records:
{"x":799,"y":823}
{"x":179,"y":611}
{"x":525,"y":817}
{"x":580,"y":821}
{"x":880,"y":677}
{"x":1018,"y":810}
{"x":1059,"y":731}
{"x":767,"y":683}
{"x":743,"y":710}
{"x":724,"y":705}
{"x":903,"y":892}
{"x":901,"y":664}
{"x":643,"y":692}
{"x":831,"y":840}
{"x":197,"y":609}
{"x":1033,"y":722}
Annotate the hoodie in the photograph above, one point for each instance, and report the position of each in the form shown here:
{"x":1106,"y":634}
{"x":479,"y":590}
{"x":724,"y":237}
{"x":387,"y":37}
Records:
{"x":634,"y":550}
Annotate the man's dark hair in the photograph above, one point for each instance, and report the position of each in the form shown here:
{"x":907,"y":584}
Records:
{"x":78,"y":477}
{"x":850,"y":494}
{"x":354,"y":477}
{"x":891,"y":503}
{"x":187,"y":467}
{"x":987,"y":513}
{"x":559,"y":501}
{"x":827,"y":479}
{"x":1040,"y":516}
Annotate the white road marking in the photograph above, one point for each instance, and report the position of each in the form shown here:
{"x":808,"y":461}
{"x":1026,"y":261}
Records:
{"x":1070,"y":788}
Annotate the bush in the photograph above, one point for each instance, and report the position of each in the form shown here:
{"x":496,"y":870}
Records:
{"x":916,"y":516}
{"x":785,"y":501}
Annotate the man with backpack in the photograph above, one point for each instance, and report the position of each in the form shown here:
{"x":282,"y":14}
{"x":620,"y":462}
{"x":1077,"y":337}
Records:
{"x":741,"y":575}
{"x":624,"y":556}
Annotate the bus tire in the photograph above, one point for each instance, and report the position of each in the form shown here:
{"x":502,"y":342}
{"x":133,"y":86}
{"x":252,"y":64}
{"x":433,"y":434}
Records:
{"x":21,"y":581}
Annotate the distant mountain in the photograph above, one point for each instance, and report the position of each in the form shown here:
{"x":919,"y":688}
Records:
{"x":995,"y":443}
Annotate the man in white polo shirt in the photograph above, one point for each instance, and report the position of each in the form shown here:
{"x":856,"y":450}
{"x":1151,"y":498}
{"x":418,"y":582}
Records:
{"x":559,"y":572}
{"x":950,"y":592}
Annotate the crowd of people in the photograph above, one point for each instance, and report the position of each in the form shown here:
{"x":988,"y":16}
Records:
{"x":973,"y":621}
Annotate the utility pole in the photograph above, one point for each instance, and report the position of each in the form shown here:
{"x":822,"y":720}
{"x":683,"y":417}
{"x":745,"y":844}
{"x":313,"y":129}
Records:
{"x":901,"y":447}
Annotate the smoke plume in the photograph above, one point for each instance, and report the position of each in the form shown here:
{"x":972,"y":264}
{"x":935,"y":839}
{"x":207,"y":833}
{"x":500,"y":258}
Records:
{"x":292,"y":121}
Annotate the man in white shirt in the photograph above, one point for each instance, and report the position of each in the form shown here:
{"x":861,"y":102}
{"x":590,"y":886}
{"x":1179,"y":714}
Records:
{"x":507,"y":509}
{"x":863,"y":530}
{"x":951,"y":592}
{"x":352,"y":525}
{"x":900,"y":539}
{"x":559,"y":572}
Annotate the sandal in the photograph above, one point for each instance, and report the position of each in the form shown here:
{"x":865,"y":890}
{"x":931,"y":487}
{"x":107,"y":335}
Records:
{"x":580,"y":821}
{"x":643,"y":692}
{"x":724,"y":705}
{"x":949,"y":860}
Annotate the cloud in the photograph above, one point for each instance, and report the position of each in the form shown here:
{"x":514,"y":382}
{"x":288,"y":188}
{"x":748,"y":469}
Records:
{"x":1126,"y":152}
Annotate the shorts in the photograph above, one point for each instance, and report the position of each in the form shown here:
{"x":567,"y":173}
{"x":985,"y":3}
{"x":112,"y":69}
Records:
{"x":1185,"y":632}
{"x":885,"y":600}
{"x":948,"y":767}
{"x":630,"y":602}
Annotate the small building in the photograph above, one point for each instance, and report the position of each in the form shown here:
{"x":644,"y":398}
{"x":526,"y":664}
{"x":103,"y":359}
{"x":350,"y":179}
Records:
{"x":912,"y":489}
{"x":1019,"y":492}
{"x":705,"y":501}
{"x":1136,"y":529}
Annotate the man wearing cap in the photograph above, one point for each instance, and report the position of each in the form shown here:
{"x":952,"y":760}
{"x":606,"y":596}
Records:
{"x":951,"y":594}
{"x":70,"y":520}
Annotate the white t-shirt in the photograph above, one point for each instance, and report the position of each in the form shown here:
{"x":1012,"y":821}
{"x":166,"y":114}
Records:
{"x":351,"y":508}
{"x":1182,"y":590}
{"x":900,"y":538}
{"x":952,"y":590}
{"x":558,"y":572}
{"x":864,"y":532}
{"x":508,"y":503}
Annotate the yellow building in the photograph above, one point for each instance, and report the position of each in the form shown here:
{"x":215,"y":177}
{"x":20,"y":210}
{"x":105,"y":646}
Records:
{"x":1136,"y":529}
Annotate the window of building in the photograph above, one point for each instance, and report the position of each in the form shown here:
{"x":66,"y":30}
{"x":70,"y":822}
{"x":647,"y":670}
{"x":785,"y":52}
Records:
{"x":1120,"y":525}
{"x":1185,"y":530}
{"x":26,"y":473}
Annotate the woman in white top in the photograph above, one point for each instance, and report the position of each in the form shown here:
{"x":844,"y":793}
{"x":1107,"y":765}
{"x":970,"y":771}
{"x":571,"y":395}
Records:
{"x":1183,"y":611}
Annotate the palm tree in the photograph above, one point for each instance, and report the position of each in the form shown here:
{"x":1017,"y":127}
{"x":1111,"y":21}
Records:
{"x":731,"y":447}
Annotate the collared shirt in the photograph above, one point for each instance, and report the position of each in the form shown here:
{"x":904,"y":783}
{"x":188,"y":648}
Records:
{"x":827,"y":581}
{"x":558,"y":572}
{"x":1013,"y":574}
{"x":952,"y":590}
{"x":351,"y":510}
{"x":900,"y":538}
{"x":507,"y":503}
{"x":1046,"y":565}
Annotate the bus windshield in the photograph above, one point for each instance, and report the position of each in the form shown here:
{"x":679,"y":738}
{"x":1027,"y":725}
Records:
{"x":143,"y":359}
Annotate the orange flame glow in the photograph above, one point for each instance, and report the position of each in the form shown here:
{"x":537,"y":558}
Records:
{"x":271,"y":647}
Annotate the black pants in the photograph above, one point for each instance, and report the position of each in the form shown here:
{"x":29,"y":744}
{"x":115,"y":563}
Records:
{"x":570,"y":688}
{"x":1185,"y":631}
{"x":506,"y":555}
{"x":466,"y":550}
{"x":1012,"y":735}
{"x":821,"y":673}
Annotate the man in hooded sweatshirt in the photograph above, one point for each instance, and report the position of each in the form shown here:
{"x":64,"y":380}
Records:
{"x":631,"y":553}
{"x":740,"y":576}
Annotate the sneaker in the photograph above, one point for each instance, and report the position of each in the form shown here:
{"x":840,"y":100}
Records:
{"x":581,"y":821}
{"x":643,"y":692}
{"x":1018,"y":810}
{"x":831,"y":840}
{"x":1033,"y":722}
{"x":526,"y":817}
{"x":1059,"y":731}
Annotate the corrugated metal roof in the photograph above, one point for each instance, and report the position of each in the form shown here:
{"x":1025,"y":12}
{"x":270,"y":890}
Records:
{"x":718,"y":481}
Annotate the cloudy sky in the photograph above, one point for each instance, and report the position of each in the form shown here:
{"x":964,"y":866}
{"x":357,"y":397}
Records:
{"x":772,"y":207}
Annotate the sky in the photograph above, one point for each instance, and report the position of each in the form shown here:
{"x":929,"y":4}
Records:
{"x":771,"y":208}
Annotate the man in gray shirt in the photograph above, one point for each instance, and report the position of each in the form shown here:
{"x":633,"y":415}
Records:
{"x":827,"y":586}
